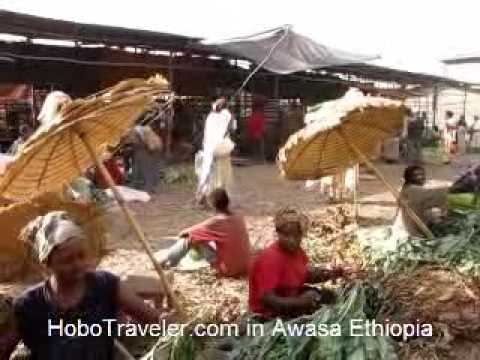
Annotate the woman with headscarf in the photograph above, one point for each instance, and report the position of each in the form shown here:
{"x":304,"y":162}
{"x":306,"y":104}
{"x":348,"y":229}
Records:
{"x":146,"y":147}
{"x":279,"y":273}
{"x":72,"y":294}
{"x":25,"y":132}
{"x":214,"y":162}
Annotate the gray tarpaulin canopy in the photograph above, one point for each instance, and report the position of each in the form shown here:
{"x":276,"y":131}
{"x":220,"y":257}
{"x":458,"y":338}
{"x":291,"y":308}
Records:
{"x":286,"y":51}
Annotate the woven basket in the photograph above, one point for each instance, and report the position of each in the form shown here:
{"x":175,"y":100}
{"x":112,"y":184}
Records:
{"x":14,"y":263}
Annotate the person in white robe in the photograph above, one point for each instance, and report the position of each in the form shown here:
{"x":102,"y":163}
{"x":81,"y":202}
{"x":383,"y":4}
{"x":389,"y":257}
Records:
{"x":213,"y":162}
{"x":462,"y":136}
{"x":474,"y":143}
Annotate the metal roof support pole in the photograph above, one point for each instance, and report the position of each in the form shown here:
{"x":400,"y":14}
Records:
{"x":435,"y":105}
{"x":171,"y":75}
{"x":465,"y":103}
{"x":276,"y":87}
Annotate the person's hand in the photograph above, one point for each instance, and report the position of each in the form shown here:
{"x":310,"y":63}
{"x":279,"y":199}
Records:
{"x":183,"y":234}
{"x":342,"y":271}
{"x":311,"y":298}
{"x":168,"y":317}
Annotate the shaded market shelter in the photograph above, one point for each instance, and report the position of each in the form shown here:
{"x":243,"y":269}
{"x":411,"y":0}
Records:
{"x":83,"y":58}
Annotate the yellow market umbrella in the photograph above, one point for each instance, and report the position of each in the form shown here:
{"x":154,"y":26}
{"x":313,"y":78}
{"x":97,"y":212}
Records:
{"x":76,"y":139}
{"x":340,"y":134}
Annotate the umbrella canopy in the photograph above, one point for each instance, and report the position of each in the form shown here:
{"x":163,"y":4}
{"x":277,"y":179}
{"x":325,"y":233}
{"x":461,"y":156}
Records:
{"x":287,"y":51}
{"x":324,"y":146}
{"x":57,"y":152}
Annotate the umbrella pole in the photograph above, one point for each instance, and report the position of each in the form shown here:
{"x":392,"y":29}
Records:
{"x":355,"y":191}
{"x":135,"y":226}
{"x":390,"y":187}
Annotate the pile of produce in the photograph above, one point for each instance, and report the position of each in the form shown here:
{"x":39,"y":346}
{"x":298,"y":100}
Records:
{"x":330,"y":237}
{"x":438,"y":296}
{"x":211,"y":299}
{"x":324,"y":335}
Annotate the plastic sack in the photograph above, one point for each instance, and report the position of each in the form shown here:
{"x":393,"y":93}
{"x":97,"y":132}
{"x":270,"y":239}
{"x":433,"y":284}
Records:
{"x":224,"y":148}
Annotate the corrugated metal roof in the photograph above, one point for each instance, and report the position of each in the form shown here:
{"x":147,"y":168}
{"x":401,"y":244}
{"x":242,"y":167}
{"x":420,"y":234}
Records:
{"x":39,"y":27}
{"x":470,"y":58}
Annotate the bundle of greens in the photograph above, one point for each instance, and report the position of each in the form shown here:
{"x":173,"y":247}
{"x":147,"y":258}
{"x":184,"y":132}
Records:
{"x":457,"y":245}
{"x":297,"y":340}
{"x":179,"y":174}
{"x":325,"y":335}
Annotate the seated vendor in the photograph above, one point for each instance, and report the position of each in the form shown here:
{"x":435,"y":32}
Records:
{"x":222,"y":239}
{"x":428,"y":204}
{"x":73,"y":293}
{"x":468,"y":182}
{"x":279,"y":273}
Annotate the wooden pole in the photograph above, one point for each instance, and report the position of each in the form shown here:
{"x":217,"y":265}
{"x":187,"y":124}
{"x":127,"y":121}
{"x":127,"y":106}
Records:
{"x":390,"y":187}
{"x":123,"y":350}
{"x":355,"y":191}
{"x":134,"y":224}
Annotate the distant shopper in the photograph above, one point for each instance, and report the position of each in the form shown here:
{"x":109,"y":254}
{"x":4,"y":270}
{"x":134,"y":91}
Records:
{"x":415,"y":129}
{"x":474,"y":131}
{"x":450,"y":136}
{"x":146,"y":148}
{"x":213,"y":162}
{"x":256,"y":131}
{"x":25,"y":132}
{"x":52,"y":106}
{"x":462,"y":136}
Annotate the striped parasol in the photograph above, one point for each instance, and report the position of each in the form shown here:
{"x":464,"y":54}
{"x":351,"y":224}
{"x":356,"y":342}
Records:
{"x":324,"y":146}
{"x":57,"y":152}
{"x":342,"y":133}
{"x":76,"y":140}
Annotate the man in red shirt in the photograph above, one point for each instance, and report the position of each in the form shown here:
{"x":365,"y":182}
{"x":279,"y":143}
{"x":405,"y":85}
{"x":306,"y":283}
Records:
{"x":115,"y":172}
{"x":221,"y":239}
{"x":256,"y":130}
{"x":279,"y":273}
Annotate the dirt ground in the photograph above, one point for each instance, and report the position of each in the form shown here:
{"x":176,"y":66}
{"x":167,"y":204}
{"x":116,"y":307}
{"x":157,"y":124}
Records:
{"x":259,"y":191}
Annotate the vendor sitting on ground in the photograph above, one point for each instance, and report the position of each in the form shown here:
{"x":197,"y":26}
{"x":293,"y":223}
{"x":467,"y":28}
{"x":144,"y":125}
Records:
{"x":428,"y":204}
{"x":279,"y":273}
{"x":72,"y":293}
{"x":468,"y":182}
{"x":465,"y":191}
{"x":222,"y":240}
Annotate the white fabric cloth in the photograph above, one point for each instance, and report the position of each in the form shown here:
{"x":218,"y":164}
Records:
{"x":216,"y":127}
{"x":47,"y":232}
{"x":4,"y":161}
{"x":462,"y":140}
{"x":129,"y":194}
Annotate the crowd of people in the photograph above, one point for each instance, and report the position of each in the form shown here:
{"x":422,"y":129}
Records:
{"x":457,"y":137}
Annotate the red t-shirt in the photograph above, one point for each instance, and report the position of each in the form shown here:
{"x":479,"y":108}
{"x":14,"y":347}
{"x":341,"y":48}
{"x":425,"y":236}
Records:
{"x":276,"y":269}
{"x":256,"y":124}
{"x":229,"y":232}
{"x":115,"y":172}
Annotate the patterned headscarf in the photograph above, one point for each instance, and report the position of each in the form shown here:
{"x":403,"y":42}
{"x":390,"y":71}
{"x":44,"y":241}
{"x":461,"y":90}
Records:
{"x":290,"y":214}
{"x":45,"y":233}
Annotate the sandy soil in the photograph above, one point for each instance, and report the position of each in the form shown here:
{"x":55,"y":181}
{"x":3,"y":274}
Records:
{"x":259,"y":191}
